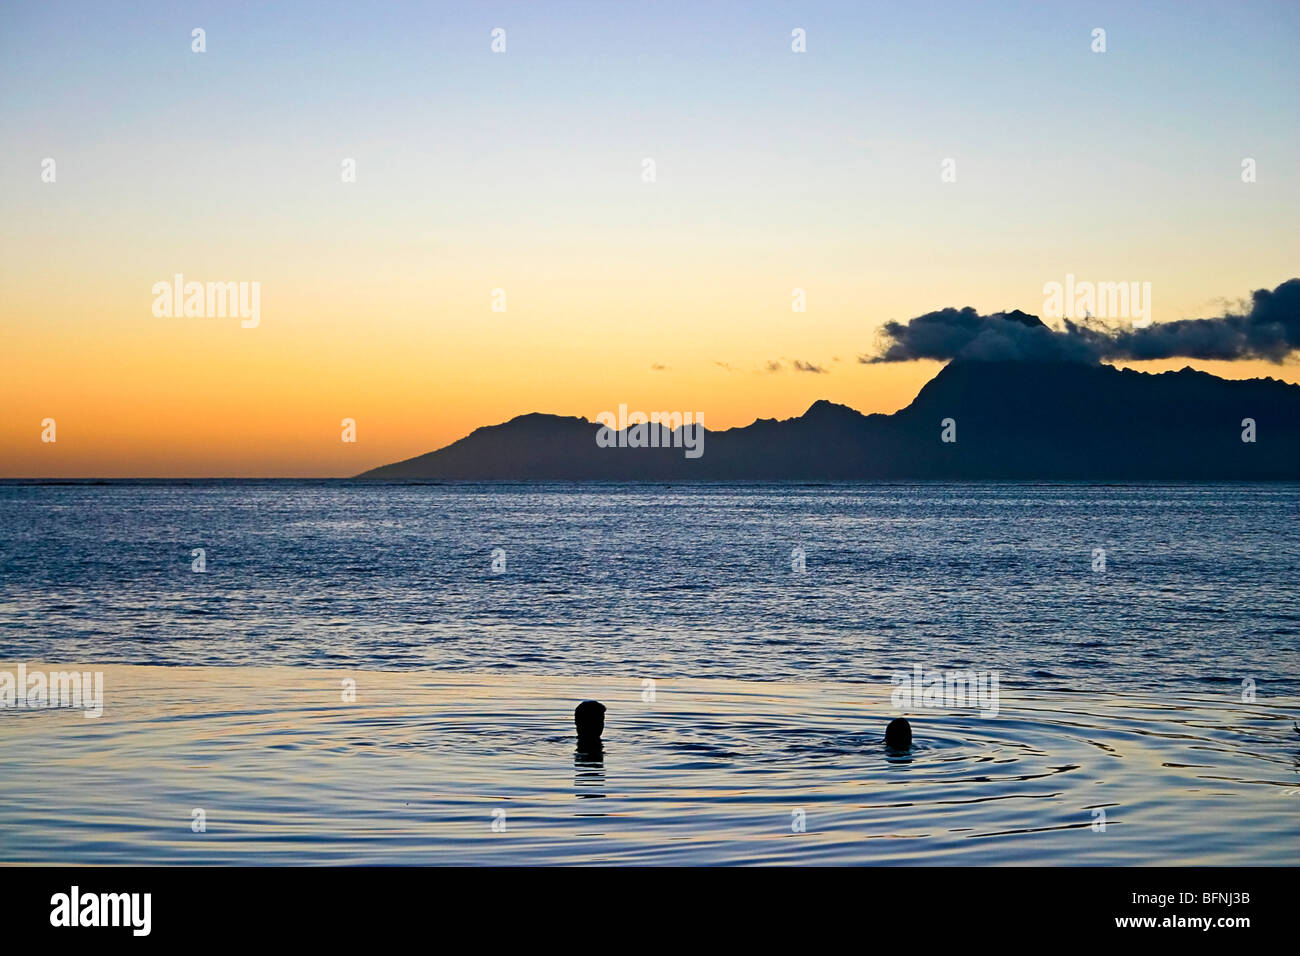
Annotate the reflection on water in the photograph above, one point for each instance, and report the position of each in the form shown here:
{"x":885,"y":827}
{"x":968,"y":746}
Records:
{"x":898,"y":754}
{"x":589,"y":774}
{"x":709,"y":772}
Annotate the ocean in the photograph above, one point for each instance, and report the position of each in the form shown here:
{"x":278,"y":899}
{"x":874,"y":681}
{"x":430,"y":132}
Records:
{"x":748,"y":639}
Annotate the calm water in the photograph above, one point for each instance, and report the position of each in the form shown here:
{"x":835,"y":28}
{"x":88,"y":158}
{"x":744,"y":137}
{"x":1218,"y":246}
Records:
{"x":709,"y":772}
{"x":1121,"y":689}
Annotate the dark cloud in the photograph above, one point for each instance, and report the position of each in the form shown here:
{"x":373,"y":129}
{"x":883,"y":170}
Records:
{"x":656,"y":367}
{"x":1267,"y":328}
{"x":773,"y":365}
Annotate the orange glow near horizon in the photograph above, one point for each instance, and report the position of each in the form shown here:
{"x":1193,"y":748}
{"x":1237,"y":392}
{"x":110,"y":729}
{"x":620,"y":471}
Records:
{"x":418,"y":359}
{"x":200,"y":400}
{"x":526,"y":171}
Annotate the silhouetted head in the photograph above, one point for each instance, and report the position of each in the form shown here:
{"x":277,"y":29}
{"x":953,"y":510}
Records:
{"x":898,"y":733}
{"x":589,"y":718}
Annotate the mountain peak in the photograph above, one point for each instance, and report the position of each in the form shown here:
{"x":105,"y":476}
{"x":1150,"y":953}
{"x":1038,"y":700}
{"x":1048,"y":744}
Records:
{"x":1012,"y":420}
{"x":825,"y":408}
{"x":1024,"y":318}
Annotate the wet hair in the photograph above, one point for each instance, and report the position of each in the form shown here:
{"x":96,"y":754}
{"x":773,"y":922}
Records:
{"x":899,"y":733}
{"x":589,"y":718}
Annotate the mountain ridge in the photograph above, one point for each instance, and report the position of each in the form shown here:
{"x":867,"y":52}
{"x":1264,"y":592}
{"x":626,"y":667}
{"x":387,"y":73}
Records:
{"x":1012,"y":420}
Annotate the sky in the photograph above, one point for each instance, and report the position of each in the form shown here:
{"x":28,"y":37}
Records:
{"x":525,"y":171}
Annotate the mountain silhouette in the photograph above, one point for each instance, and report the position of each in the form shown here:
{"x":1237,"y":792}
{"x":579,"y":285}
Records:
{"x":1012,"y":420}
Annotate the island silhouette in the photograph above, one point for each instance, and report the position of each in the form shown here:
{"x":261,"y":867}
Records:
{"x":1014,"y":420}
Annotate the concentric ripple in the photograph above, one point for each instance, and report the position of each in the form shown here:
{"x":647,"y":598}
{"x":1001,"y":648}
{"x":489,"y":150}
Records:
{"x":415,"y":770}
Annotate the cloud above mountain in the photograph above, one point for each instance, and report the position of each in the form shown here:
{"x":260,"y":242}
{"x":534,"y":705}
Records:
{"x":1267,"y":327}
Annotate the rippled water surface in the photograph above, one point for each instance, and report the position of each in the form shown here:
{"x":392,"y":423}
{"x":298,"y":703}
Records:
{"x":1121,"y":689}
{"x":709,"y":772}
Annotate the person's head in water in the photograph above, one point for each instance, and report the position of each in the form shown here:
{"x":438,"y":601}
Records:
{"x":898,"y":733}
{"x":589,"y":718}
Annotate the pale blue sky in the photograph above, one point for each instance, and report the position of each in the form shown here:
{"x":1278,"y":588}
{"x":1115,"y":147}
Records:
{"x":522,"y":171}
